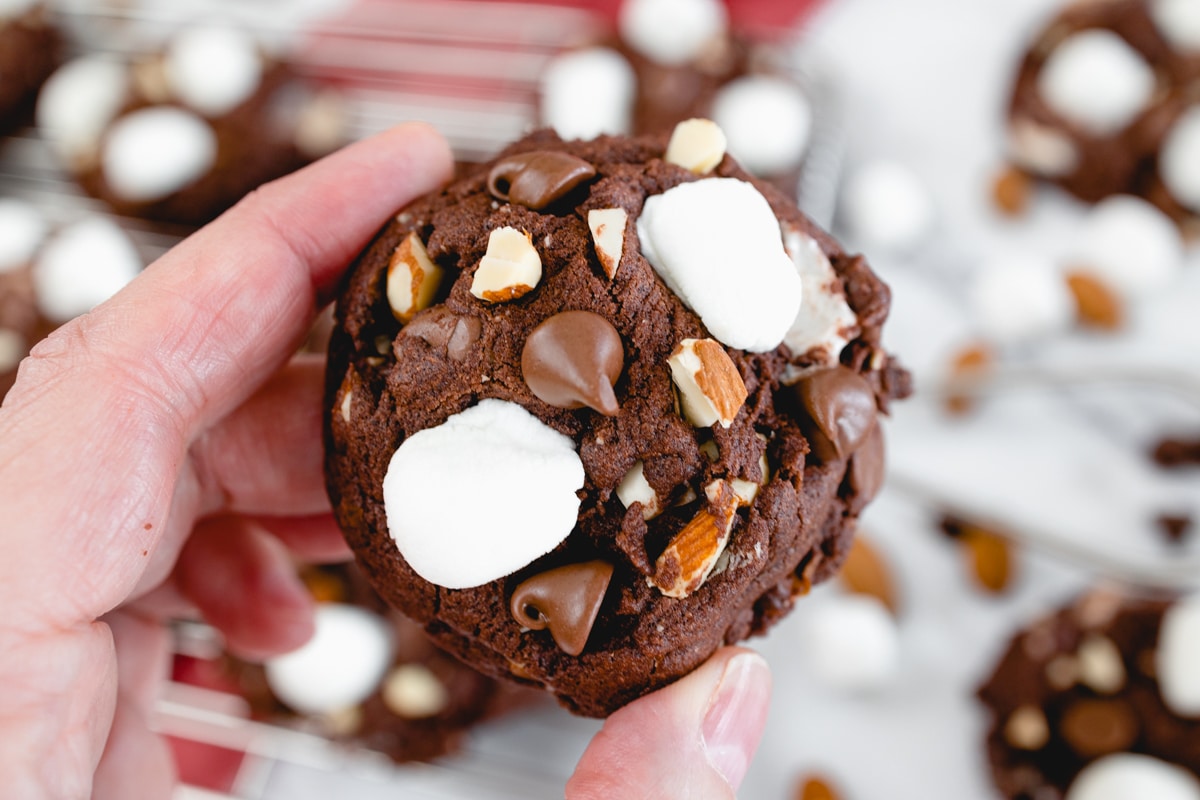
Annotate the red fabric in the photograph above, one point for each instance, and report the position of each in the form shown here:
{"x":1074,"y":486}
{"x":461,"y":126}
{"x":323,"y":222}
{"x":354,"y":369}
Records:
{"x":751,"y":15}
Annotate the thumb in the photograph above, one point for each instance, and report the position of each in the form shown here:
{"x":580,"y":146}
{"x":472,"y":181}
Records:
{"x":691,"y":739}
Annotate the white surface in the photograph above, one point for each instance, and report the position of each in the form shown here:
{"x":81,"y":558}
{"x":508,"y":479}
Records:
{"x":767,"y":121}
{"x":11,"y":8}
{"x":213,"y":69}
{"x":153,"y":152}
{"x":83,"y":265}
{"x":1021,"y":297}
{"x":853,"y":644}
{"x":588,"y":92}
{"x":1096,"y":80}
{"x":887,"y":206}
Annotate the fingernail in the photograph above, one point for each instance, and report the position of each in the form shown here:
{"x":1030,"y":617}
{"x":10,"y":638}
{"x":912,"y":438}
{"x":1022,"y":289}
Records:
{"x":736,"y":714}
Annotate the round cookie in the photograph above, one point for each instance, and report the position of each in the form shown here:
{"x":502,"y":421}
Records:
{"x":29,"y":52}
{"x":1100,"y":696}
{"x":569,"y":439}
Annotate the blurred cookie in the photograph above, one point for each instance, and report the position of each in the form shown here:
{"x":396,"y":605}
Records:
{"x":29,"y":52}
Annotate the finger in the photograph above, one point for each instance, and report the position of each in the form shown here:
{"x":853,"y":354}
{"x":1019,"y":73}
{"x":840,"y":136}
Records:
{"x":693,"y":738}
{"x":105,"y":409}
{"x":243,"y":582}
{"x":313,"y":540}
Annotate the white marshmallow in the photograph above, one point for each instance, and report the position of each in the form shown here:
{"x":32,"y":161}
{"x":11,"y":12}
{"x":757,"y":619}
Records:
{"x":717,"y":245}
{"x":588,"y":93}
{"x":767,"y":122}
{"x":825,"y":322}
{"x":853,"y":643}
{"x":1131,"y":245}
{"x":481,"y":495}
{"x":156,"y":151}
{"x":1178,"y":657}
{"x":22,"y":230}
{"x":81,"y":266}
{"x":672,"y":32}
{"x":340,"y":666}
{"x":213,"y":69}
{"x":1096,"y":80}
{"x":1018,"y":299}
{"x":1179,"y":159}
{"x":1126,"y":776}
{"x":887,"y":207}
{"x":78,"y":101}
{"x":1179,"y":22}
{"x":14,"y":8}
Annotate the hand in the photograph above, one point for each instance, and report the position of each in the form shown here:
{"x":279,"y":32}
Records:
{"x":162,"y":454}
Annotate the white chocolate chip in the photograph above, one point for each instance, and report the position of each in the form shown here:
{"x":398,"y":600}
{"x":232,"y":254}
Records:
{"x":412,"y":691}
{"x":412,"y":279}
{"x":716,"y":243}
{"x":1178,"y":657}
{"x":15,"y":8}
{"x":1179,"y":159}
{"x":321,"y":124}
{"x":1096,"y":80}
{"x":1179,"y":22}
{"x":1100,"y":664}
{"x":672,"y":32}
{"x":1027,"y":728}
{"x":634,"y":488}
{"x":608,"y":235}
{"x":1124,"y":776}
{"x":1130,"y":245}
{"x":23,"y":228}
{"x":510,"y":268}
{"x":339,"y":667}
{"x":213,"y":69}
{"x":826,"y":322}
{"x":587,"y":93}
{"x":156,"y":151}
{"x":1041,"y":149}
{"x":481,"y":495}
{"x":767,"y":121}
{"x":710,"y":388}
{"x":81,"y":266}
{"x":77,"y":103}
{"x":697,"y":145}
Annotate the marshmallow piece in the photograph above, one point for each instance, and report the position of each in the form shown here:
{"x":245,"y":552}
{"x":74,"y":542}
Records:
{"x":887,"y":207}
{"x":76,"y":104}
{"x":518,"y":477}
{"x":156,"y":151}
{"x":826,"y":323}
{"x":1127,"y":776}
{"x":588,"y":93}
{"x":22,"y":230}
{"x":1041,"y":149}
{"x":1179,"y":159}
{"x":213,"y":69}
{"x":81,"y":266}
{"x":1096,"y":80}
{"x":15,"y":8}
{"x":1178,"y":657}
{"x":1179,"y":22}
{"x":1130,"y":245}
{"x":717,"y":245}
{"x":853,"y":643}
{"x":1017,"y":299}
{"x":340,"y":666}
{"x":672,"y":32}
{"x":767,"y":121}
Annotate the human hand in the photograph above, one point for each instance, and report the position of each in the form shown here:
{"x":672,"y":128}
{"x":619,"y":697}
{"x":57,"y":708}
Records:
{"x":163,"y":454}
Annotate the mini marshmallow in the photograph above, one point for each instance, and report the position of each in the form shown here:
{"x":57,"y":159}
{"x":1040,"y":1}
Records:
{"x":1018,"y":299}
{"x":588,"y":93}
{"x":481,"y":495}
{"x":1179,"y":22}
{"x":1178,"y":657}
{"x":887,"y":207}
{"x":717,"y":245}
{"x":767,"y":121}
{"x":825,"y":322}
{"x":213,"y":69}
{"x":1127,"y":776}
{"x":76,"y":104}
{"x":81,"y":266}
{"x":22,"y":230}
{"x":156,"y":151}
{"x":853,"y":643}
{"x":1130,"y":245}
{"x":340,"y":666}
{"x":1179,"y":159}
{"x":672,"y":32}
{"x":15,"y":8}
{"x":1096,"y":80}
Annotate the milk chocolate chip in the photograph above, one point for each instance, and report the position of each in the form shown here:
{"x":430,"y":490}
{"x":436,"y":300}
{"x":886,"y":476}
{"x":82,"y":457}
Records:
{"x":1095,"y":728}
{"x":565,"y":600}
{"x":443,"y":329}
{"x":840,"y":405}
{"x":867,"y":468}
{"x":537,"y":179}
{"x":572,"y":360}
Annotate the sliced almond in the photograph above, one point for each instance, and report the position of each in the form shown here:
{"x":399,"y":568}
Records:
{"x":989,"y":557}
{"x":509,"y":269}
{"x":1096,"y":304}
{"x":686,"y":563}
{"x":608,"y":235}
{"x":634,"y":488}
{"x":865,"y":572}
{"x":697,"y":145}
{"x":412,"y":279}
{"x":710,"y":388}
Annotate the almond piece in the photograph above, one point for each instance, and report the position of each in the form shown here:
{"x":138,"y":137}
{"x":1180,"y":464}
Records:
{"x":690,"y":557}
{"x":608,"y":235}
{"x":634,"y":488}
{"x":509,"y":269}
{"x":697,"y":145}
{"x":1096,"y":304}
{"x":412,"y":279}
{"x":974,"y":359}
{"x":815,"y":788}
{"x":710,"y":388}
{"x":865,"y":572}
{"x":989,"y":557}
{"x":1011,"y":191}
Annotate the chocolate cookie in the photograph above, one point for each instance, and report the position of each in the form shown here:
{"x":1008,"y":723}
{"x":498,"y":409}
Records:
{"x":1105,"y":690}
{"x":29,"y":52}
{"x":603,"y":407}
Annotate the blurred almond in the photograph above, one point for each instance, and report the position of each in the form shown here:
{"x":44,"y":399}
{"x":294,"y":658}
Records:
{"x":1012,"y":191}
{"x":974,"y":359}
{"x":989,"y":556}
{"x":1097,"y":305}
{"x":865,"y":572}
{"x":815,"y":788}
